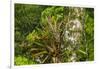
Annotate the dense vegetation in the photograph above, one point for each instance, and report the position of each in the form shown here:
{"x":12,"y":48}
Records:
{"x":53,"y":34}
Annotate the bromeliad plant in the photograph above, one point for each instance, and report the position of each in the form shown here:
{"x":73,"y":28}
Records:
{"x":47,"y":47}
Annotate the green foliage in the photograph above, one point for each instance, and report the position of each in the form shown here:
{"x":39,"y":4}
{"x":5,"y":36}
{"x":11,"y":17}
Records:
{"x":19,"y":60}
{"x":32,"y":36}
{"x":43,"y":34}
{"x":89,"y":27}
